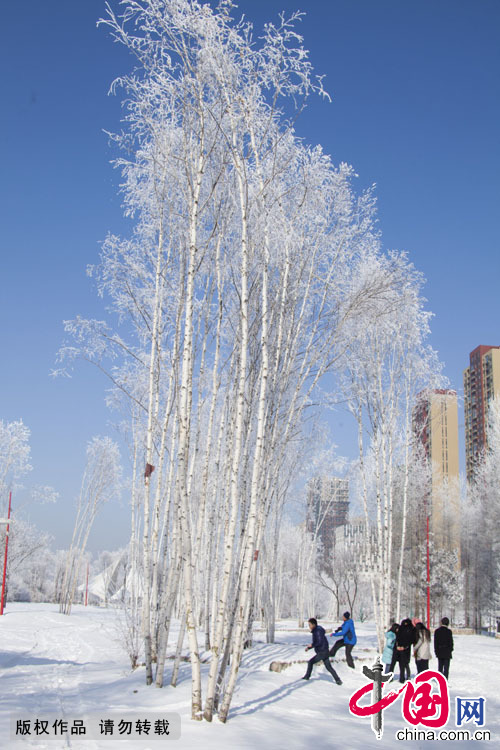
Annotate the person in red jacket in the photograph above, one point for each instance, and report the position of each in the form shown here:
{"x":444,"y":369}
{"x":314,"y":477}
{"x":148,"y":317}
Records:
{"x":320,"y":645}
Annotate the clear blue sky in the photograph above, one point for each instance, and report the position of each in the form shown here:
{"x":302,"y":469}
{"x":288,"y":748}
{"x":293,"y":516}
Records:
{"x":415,"y":108}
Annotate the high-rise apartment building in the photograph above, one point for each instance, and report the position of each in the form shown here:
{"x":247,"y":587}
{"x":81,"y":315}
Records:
{"x":481,"y":383}
{"x":435,"y":421}
{"x":327,"y":508}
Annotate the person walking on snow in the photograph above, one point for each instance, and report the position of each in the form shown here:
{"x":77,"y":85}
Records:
{"x":320,"y":645}
{"x":346,"y":630}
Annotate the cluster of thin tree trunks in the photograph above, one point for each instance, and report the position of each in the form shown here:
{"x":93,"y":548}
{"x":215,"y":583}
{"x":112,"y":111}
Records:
{"x":253,"y":279}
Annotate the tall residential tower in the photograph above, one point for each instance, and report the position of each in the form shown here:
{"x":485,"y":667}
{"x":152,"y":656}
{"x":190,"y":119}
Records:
{"x":327,"y":508}
{"x":481,"y":383}
{"x":435,"y":421}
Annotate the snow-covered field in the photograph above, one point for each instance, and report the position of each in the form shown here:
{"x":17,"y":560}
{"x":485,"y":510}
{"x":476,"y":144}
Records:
{"x":75,"y":666}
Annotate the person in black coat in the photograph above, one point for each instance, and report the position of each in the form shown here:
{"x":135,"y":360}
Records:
{"x":443,"y":646}
{"x":320,"y":645}
{"x":405,"y":638}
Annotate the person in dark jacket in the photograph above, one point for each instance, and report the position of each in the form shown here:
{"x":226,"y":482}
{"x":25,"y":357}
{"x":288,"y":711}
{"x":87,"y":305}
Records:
{"x":320,"y":645}
{"x":405,"y":638}
{"x":346,"y":630}
{"x":443,"y":646}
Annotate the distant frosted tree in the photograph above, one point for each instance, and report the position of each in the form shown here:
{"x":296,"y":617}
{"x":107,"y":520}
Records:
{"x":412,"y":493}
{"x":340,"y":576}
{"x":481,"y":545}
{"x":14,"y":453}
{"x":100,"y":483}
{"x":386,"y":364}
{"x":31,"y":564}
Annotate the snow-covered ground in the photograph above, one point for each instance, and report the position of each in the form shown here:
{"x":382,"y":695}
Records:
{"x":75,"y":666}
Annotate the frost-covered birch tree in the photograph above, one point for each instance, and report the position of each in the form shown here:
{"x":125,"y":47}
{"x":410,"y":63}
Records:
{"x":14,"y":454}
{"x":100,"y":483}
{"x":386,"y":364}
{"x":234,"y":296}
{"x":481,"y":544}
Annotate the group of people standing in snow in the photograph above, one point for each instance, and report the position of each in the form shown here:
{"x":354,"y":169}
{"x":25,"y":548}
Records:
{"x":399,"y":640}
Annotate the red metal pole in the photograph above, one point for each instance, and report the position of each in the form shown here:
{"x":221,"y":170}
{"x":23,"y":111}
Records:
{"x":5,"y":556}
{"x":87,"y":585}
{"x":428,"y":580}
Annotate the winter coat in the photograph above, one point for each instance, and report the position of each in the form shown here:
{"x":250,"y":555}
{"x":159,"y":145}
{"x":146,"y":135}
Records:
{"x":405,"y":637}
{"x":443,"y":642}
{"x":422,"y":647}
{"x":347,"y":632}
{"x":320,"y":641}
{"x":387,"y":653}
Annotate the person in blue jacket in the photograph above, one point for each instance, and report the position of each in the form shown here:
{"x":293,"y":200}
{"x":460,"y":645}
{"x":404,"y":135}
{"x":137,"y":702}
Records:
{"x":389,"y":657}
{"x":346,"y":630}
{"x":320,"y":645}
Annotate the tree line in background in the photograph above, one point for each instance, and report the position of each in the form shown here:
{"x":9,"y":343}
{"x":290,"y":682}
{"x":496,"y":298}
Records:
{"x":252,"y":293}
{"x":293,"y":578}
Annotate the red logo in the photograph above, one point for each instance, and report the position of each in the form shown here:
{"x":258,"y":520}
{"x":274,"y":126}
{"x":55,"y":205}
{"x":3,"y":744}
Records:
{"x":420,"y":704}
